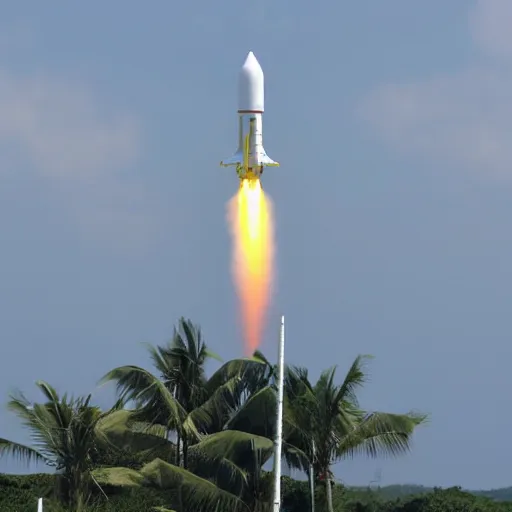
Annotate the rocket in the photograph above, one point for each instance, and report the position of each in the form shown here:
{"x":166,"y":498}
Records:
{"x":250,"y":157}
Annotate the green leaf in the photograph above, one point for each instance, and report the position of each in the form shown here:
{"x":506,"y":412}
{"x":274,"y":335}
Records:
{"x":20,"y":451}
{"x":380,"y":434}
{"x":198,"y":493}
{"x":242,"y":448}
{"x":118,"y":477}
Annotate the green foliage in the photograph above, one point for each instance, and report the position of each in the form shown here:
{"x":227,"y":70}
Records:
{"x":66,"y":433}
{"x":504,"y":494}
{"x":330,"y":425}
{"x":20,"y":493}
{"x":193,"y":443}
{"x":296,"y":498}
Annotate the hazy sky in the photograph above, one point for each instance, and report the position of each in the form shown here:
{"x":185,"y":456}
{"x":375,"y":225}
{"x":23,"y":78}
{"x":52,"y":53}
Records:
{"x":392,"y":123}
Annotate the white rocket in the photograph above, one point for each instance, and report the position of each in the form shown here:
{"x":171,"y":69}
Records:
{"x":250,"y":157}
{"x":40,"y":505}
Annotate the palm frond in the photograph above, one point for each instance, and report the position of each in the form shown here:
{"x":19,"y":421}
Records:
{"x":295,"y":457}
{"x":210,"y":354}
{"x":160,"y":360}
{"x":247,"y":451}
{"x":20,"y":451}
{"x":132,"y":382}
{"x":21,"y":406}
{"x":257,"y":415}
{"x":296,"y":381}
{"x":380,"y":434}
{"x":243,"y":368}
{"x":118,"y":477}
{"x":43,"y":423}
{"x":192,"y":337}
{"x":354,"y":379}
{"x":48,"y":391}
{"x":194,"y":492}
{"x":120,"y":431}
{"x":158,"y":405}
{"x":226,"y":474}
{"x":212,"y":415}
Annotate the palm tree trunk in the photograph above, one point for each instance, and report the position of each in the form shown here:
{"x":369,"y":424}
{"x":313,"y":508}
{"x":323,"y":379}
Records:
{"x":311,"y":478}
{"x":178,"y":447}
{"x":328,"y":491}
{"x":185,"y":453}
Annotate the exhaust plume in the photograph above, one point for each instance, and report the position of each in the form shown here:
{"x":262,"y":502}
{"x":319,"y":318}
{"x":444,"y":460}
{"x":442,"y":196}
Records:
{"x":251,"y":223}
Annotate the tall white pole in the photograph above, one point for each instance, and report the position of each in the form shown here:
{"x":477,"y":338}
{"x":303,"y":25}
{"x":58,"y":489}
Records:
{"x":312,"y":479}
{"x":279,"y":422}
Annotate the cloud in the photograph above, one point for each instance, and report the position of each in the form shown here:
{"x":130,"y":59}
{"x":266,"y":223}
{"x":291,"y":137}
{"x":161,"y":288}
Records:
{"x":62,"y":130}
{"x":464,"y":117}
{"x":58,"y":131}
{"x":489,"y":23}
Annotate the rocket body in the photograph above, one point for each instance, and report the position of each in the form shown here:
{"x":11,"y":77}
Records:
{"x":250,"y":157}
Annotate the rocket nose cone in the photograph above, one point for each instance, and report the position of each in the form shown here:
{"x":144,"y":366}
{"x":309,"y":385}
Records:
{"x":251,"y":85}
{"x":251,"y":65}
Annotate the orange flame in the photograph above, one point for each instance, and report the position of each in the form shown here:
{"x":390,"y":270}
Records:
{"x":250,"y":218}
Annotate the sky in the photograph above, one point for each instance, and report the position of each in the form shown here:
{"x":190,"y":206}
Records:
{"x":392,"y":123}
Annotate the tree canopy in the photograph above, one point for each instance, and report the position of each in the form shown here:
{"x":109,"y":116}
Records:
{"x":192,"y":442}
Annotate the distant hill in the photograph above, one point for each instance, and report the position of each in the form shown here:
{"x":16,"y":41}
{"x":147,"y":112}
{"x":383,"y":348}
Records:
{"x":503,"y":494}
{"x":399,"y":491}
{"x":390,"y":492}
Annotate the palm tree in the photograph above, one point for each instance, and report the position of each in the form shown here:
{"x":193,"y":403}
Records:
{"x":178,"y":399}
{"x":331,"y":426}
{"x":224,"y":422}
{"x":211,"y":481}
{"x":180,"y":396}
{"x":72,"y":436}
{"x":231,"y":458}
{"x":181,"y":370}
{"x":66,"y":434}
{"x":237,"y":423}
{"x":200,"y":488}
